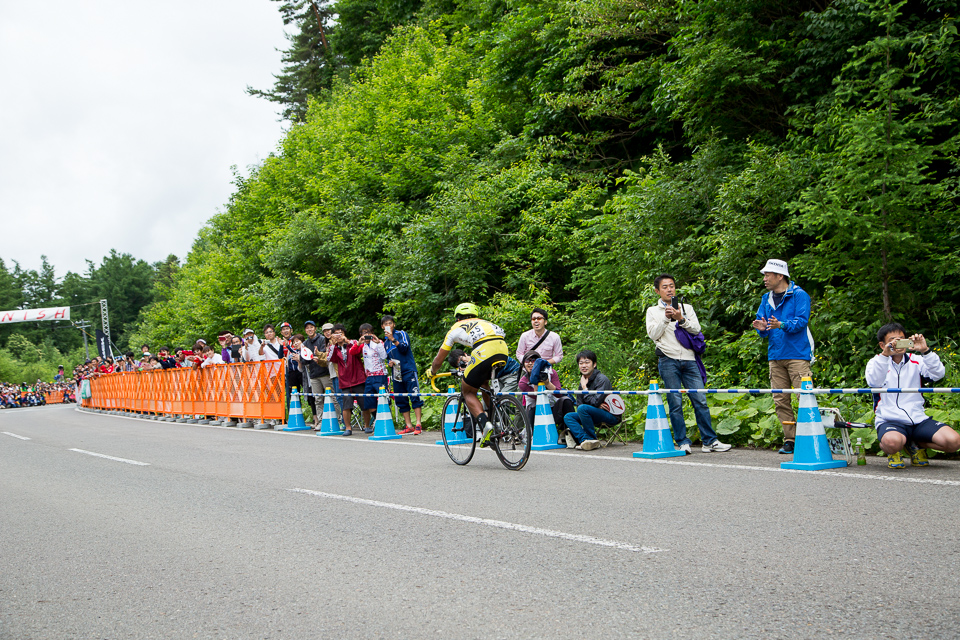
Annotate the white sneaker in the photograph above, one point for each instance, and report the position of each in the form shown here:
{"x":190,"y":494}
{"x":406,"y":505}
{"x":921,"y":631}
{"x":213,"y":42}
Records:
{"x":569,"y":439}
{"x":589,"y":445}
{"x":716,"y":445}
{"x":685,"y":448}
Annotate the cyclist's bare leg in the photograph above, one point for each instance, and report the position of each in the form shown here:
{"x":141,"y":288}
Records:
{"x":487,"y":401}
{"x":470,"y":398}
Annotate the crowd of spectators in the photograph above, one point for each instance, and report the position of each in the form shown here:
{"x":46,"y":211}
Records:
{"x":356,"y":369}
{"x":35,"y":395}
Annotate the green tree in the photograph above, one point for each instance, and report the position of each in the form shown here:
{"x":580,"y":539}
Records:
{"x":884,"y":147}
{"x":309,"y":65}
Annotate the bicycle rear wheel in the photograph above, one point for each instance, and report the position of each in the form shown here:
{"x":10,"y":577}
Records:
{"x":457,"y":430}
{"x":512,"y":433}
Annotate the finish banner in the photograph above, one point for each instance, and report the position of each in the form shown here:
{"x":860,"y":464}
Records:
{"x":35,"y":315}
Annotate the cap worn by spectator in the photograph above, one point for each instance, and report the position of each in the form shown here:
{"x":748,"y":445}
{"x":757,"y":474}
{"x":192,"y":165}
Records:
{"x":776,"y":266}
{"x":327,"y":326}
{"x":246,"y":331}
{"x":285,"y":324}
{"x":309,"y":322}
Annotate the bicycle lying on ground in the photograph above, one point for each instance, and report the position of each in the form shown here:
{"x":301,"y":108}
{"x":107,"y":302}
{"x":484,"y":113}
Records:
{"x":512,"y":433}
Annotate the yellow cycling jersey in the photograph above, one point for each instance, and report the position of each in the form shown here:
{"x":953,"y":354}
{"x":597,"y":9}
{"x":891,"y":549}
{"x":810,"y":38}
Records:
{"x":471,"y":331}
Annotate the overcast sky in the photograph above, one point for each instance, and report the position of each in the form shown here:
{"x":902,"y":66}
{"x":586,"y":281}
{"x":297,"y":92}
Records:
{"x":119,"y":122}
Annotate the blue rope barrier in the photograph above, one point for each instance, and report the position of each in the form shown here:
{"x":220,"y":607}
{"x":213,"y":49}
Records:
{"x":851,"y":390}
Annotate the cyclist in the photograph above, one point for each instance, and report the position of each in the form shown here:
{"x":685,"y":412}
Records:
{"x":489,"y":353}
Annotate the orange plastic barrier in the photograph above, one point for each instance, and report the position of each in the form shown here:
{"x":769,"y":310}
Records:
{"x":245,"y":390}
{"x":54,"y":398}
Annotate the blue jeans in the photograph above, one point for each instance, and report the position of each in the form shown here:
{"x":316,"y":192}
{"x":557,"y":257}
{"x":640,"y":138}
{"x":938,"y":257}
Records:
{"x":581,"y":423}
{"x":372,"y":385}
{"x":337,"y":396}
{"x":684,"y":374}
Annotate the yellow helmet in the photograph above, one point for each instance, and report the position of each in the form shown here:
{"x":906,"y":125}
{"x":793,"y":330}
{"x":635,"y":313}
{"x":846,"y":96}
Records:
{"x":466,"y":309}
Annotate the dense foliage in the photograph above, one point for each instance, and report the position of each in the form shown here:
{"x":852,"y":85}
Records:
{"x":565,"y":152}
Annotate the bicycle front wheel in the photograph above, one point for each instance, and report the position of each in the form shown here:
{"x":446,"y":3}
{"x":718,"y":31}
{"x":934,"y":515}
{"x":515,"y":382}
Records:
{"x":512,"y":433}
{"x":457,"y":430}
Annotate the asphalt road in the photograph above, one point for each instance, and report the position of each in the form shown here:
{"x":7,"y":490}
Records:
{"x":223,"y":533}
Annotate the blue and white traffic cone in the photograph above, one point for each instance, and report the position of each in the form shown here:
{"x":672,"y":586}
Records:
{"x":383,"y":428}
{"x":657,"y":436}
{"x":811,"y":451}
{"x":456,"y":434}
{"x":295,"y":421}
{"x":545,"y":434}
{"x":329,"y":425}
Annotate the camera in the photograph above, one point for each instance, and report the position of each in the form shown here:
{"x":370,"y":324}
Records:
{"x":903,"y":343}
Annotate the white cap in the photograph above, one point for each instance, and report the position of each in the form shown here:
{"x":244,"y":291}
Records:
{"x":775,"y":266}
{"x":246,"y":331}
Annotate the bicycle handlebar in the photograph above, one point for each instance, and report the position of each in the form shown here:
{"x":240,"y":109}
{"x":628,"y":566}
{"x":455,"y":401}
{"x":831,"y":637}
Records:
{"x":433,"y":380}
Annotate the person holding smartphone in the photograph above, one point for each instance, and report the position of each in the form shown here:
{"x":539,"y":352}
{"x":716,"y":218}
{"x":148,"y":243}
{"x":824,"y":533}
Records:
{"x":375,"y":367}
{"x":900,"y":417}
{"x":250,"y":347}
{"x":668,"y":323}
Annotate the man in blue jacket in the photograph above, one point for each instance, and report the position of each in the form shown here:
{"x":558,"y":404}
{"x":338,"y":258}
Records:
{"x":782,"y":319}
{"x":400,"y":351}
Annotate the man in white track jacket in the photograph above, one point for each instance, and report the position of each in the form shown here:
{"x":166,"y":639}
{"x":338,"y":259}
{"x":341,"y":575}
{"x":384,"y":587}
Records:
{"x":900,"y":417}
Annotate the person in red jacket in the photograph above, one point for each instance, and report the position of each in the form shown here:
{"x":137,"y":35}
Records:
{"x":348,"y":356}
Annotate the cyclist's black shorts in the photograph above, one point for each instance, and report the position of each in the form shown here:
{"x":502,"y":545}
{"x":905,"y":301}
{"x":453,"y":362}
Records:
{"x":480,"y":373}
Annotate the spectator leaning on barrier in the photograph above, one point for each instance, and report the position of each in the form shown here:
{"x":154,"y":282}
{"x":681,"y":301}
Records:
{"x":348,"y":356}
{"x":375,"y":366}
{"x":678,"y":364}
{"x":210,"y":356}
{"x":592,"y":408}
{"x":782,"y":320}
{"x":540,"y":339}
{"x":271,"y":348}
{"x":250,"y":349}
{"x":317,"y":377}
{"x":235,"y":344}
{"x":167,"y":361}
{"x":900,"y":418}
{"x":405,"y":375}
{"x":225,"y":338}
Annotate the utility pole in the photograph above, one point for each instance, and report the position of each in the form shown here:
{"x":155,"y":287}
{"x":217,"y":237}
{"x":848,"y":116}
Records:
{"x":83,"y":325}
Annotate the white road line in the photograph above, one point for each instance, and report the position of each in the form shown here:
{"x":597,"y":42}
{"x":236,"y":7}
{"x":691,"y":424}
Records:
{"x":13,"y":435}
{"x":835,"y":474}
{"x":101,"y":455}
{"x":499,"y":524}
{"x":435,"y":434}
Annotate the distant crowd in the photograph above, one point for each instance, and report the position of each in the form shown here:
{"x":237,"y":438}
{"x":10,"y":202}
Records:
{"x":23,"y":395}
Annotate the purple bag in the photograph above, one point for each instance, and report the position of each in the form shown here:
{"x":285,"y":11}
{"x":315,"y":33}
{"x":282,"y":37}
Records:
{"x":696,"y":343}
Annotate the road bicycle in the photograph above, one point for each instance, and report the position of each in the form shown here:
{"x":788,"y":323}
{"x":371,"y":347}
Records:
{"x":512,"y":432}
